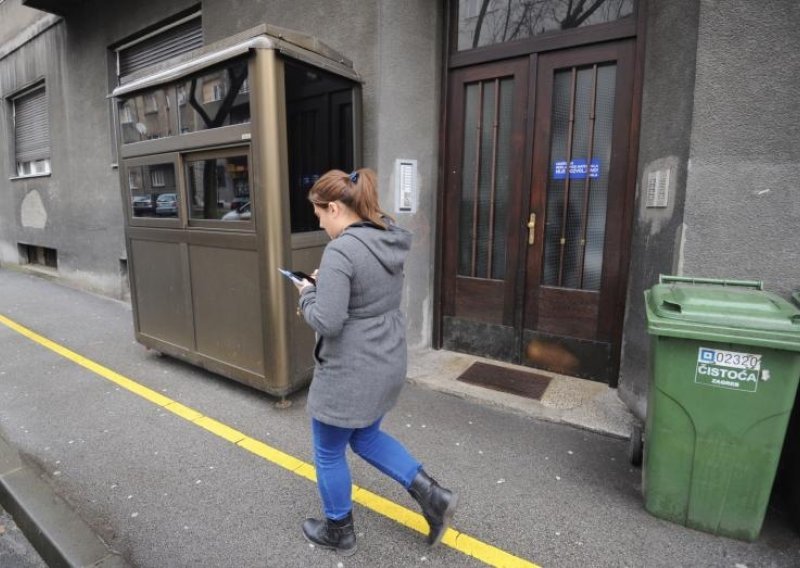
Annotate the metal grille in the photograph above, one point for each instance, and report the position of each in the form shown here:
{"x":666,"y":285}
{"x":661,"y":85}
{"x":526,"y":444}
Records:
{"x":160,"y":47}
{"x":31,"y":127}
{"x":577,"y":189}
{"x":485,"y":179}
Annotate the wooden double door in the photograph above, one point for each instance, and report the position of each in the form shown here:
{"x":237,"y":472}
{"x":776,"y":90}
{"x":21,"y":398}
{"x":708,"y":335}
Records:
{"x":536,"y":209}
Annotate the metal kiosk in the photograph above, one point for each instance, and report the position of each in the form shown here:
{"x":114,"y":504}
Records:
{"x":217,"y":151}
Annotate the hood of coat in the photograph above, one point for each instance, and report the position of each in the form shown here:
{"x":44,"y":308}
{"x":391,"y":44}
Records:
{"x":389,"y":246}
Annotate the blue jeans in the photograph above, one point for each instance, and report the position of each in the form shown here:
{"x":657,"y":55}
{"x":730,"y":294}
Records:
{"x":376,"y":447}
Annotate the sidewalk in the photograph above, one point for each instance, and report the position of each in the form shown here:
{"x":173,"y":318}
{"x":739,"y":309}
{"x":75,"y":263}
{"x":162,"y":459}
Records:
{"x":159,"y":488}
{"x":581,"y":403}
{"x":59,"y":536}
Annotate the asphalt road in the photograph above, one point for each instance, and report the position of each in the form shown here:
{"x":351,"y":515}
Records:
{"x":164,"y":492}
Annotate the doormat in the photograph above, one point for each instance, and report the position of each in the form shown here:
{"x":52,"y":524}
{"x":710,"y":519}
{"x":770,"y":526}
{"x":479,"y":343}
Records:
{"x":503,"y":379}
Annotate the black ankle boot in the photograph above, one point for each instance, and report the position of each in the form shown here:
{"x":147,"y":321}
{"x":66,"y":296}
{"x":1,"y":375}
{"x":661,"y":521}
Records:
{"x":335,"y":535}
{"x":438,"y":504}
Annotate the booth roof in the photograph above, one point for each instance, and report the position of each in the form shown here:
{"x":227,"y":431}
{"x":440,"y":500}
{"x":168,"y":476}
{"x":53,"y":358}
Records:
{"x":289,"y":42}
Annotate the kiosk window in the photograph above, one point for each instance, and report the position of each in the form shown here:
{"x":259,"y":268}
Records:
{"x":218,"y":98}
{"x":153,"y":191}
{"x":146,"y":116}
{"x":219,"y":188}
{"x":319,"y":116}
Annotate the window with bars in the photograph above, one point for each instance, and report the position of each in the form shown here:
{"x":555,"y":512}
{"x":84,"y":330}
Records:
{"x":31,"y":133}
{"x":486,"y":179}
{"x":577,"y":189}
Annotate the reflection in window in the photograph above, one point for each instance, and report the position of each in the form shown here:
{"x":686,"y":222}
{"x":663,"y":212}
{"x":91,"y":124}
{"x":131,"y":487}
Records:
{"x":157,"y":177}
{"x":218,"y":98}
{"x":489,"y":22}
{"x":126,"y":115}
{"x":319,"y":109}
{"x":150,"y":103}
{"x":153,"y":190}
{"x":219,"y":188}
{"x":146,"y":116}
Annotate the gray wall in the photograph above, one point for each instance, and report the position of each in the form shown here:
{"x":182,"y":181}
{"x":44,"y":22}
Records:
{"x":14,"y":18}
{"x":394,"y":46}
{"x":743,"y":194}
{"x":667,"y":101}
{"x":76,"y":209}
{"x":720,"y":107}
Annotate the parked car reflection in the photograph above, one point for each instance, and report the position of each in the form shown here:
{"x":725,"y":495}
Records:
{"x":167,"y":205}
{"x":142,"y":205}
{"x":241,"y":214}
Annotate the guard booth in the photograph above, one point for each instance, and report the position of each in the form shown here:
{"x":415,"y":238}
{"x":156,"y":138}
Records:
{"x":217,"y":151}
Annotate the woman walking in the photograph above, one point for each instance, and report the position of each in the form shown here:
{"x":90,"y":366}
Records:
{"x":360,"y":356}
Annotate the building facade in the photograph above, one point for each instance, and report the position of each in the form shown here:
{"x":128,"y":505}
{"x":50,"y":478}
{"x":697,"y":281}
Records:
{"x":552,"y":159}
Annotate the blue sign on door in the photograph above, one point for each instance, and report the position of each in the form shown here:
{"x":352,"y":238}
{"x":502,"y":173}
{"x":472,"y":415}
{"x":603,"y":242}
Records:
{"x":577,"y":169}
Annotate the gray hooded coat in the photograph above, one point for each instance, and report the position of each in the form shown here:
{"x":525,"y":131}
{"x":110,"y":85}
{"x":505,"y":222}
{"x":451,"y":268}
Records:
{"x":361,"y":333}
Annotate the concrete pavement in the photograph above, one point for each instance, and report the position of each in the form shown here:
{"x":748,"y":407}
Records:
{"x":157,"y":489}
{"x":15,"y":549}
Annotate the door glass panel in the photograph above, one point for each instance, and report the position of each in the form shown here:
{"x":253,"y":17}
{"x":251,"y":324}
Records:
{"x":485,"y":179}
{"x":219,"y":188}
{"x":577,"y":187}
{"x":488,"y":22}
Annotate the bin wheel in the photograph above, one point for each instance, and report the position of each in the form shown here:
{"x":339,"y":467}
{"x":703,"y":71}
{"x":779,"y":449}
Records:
{"x":636,"y":446}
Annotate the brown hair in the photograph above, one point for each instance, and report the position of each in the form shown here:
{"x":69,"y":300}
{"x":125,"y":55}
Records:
{"x":357,"y":190}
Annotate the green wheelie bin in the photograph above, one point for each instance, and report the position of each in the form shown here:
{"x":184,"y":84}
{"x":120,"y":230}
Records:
{"x":725,"y":368}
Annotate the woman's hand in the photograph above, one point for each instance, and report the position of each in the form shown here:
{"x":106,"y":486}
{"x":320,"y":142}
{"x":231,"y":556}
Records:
{"x":303,"y":284}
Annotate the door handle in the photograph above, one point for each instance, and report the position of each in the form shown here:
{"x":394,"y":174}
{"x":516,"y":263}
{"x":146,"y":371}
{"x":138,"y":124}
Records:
{"x":532,"y":229}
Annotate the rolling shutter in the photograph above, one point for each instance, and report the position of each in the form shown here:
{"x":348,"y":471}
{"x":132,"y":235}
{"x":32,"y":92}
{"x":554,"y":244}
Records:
{"x":31,"y":127}
{"x":160,"y":47}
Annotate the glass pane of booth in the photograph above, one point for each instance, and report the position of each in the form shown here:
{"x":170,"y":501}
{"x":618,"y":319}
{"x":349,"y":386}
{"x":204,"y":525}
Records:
{"x":153,"y":190}
{"x":146,"y":116}
{"x":214,"y":99}
{"x":219,"y":188}
{"x":320,"y":127}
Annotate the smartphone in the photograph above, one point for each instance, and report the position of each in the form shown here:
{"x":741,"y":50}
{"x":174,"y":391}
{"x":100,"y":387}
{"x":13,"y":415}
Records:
{"x":297,"y":275}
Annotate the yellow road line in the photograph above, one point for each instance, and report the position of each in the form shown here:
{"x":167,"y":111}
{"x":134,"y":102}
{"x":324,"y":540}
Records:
{"x":459,"y":541}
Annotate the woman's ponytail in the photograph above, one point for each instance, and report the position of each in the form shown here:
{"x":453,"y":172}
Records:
{"x":364,"y":196}
{"x":358,"y":190}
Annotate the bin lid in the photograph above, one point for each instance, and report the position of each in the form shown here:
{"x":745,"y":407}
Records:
{"x":716,"y":310}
